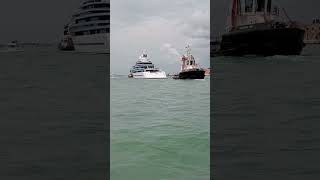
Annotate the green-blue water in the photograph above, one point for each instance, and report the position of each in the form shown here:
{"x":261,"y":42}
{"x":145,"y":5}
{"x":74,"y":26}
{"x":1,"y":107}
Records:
{"x":53,"y":115}
{"x":160,"y":129}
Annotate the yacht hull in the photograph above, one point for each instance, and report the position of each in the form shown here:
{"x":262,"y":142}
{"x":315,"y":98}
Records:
{"x":264,"y":42}
{"x":149,"y":75}
{"x":95,"y":43}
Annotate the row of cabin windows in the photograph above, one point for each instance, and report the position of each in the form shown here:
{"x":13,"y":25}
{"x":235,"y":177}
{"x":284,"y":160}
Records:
{"x":145,"y":63}
{"x":152,"y":70}
{"x":96,"y":31}
{"x":316,"y":21}
{"x":141,"y":70}
{"x":93,"y":6}
{"x":312,"y":36}
{"x":92,"y":12}
{"x":144,"y":66}
{"x":93,"y":18}
{"x":191,"y":63}
{"x":92,"y":1}
{"x":137,"y":70}
{"x":91,"y":25}
{"x":312,"y":28}
{"x":247,"y":5}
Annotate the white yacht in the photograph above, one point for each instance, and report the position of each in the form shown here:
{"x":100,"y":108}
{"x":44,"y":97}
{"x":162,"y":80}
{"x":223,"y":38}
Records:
{"x":13,"y":46}
{"x":90,"y":27}
{"x":144,"y":69}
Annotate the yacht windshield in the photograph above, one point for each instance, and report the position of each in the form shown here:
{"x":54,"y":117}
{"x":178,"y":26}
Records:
{"x":152,"y":70}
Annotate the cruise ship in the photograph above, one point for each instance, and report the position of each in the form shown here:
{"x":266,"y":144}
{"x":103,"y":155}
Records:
{"x":90,"y":27}
{"x":144,"y":69}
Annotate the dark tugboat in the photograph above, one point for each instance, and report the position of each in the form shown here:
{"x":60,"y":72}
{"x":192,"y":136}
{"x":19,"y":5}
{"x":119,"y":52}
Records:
{"x":66,"y":43}
{"x":257,"y":28}
{"x":189,"y":68}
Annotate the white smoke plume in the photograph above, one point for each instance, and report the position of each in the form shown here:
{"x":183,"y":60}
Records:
{"x":170,"y":50}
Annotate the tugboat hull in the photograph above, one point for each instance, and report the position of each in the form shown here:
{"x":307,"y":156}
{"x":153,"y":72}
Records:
{"x":264,"y":42}
{"x":66,"y":48}
{"x":192,"y":74}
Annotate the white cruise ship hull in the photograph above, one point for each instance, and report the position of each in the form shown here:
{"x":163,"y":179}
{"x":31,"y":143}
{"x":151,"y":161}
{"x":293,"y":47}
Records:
{"x":95,"y":43}
{"x":149,"y":75}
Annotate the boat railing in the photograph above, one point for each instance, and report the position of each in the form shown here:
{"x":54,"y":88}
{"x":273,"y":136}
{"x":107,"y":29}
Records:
{"x":215,"y":40}
{"x":316,"y":21}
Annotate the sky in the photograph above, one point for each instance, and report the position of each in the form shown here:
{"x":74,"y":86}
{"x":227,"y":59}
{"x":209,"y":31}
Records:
{"x":35,"y":20}
{"x":298,"y":10}
{"x":163,"y":28}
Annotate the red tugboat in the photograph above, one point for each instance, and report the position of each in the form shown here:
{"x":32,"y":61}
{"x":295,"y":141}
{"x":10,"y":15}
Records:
{"x":189,"y":68}
{"x":256,"y":27}
{"x":66,"y":43}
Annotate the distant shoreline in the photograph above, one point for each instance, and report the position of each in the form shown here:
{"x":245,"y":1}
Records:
{"x":34,"y":44}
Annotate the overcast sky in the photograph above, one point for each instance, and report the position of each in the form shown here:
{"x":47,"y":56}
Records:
{"x":163,"y":28}
{"x":34,"y":20}
{"x":300,"y":10}
{"x":159,"y":26}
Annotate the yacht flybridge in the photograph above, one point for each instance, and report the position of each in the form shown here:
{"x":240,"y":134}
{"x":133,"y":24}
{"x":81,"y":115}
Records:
{"x":260,"y":27}
{"x":90,"y":27}
{"x":145,"y":69}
